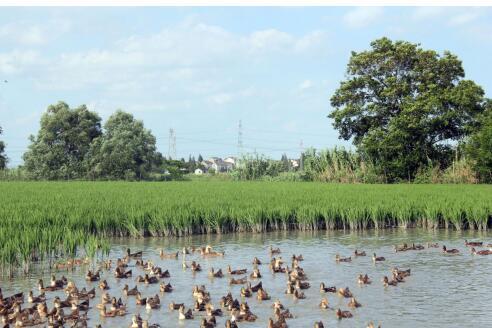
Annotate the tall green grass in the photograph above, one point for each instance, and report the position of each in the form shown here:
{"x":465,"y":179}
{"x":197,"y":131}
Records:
{"x":48,"y":220}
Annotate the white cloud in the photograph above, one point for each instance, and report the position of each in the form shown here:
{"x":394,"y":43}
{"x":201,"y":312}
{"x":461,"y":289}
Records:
{"x":221,"y":98}
{"x":362,"y":16}
{"x":22,"y":33}
{"x":424,"y":13}
{"x":464,"y":18}
{"x":306,"y":84}
{"x":17,"y":61}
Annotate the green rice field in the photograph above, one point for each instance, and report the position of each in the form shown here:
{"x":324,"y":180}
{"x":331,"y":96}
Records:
{"x":49,"y":220}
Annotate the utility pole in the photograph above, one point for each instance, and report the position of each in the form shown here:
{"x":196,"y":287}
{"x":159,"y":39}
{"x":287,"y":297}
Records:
{"x":172,"y":144}
{"x":240,"y":139}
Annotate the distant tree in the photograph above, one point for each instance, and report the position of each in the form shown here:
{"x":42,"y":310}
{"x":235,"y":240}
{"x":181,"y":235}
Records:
{"x":403,"y":106}
{"x":126,"y":150}
{"x":200,"y":158}
{"x":479,"y":146}
{"x":3,"y":157}
{"x":285,"y":163}
{"x":62,"y":143}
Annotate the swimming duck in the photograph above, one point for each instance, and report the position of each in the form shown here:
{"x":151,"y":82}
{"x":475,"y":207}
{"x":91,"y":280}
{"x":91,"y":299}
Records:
{"x":239,"y":281}
{"x":141,"y":300}
{"x":277,"y":324}
{"x":256,"y":287}
{"x":319,"y":324}
{"x":274,"y":250}
{"x":302,"y":285}
{"x":159,"y":273}
{"x":118,"y":312}
{"x":324,"y":289}
{"x":357,"y":253}
{"x":188,"y":315}
{"x":164,"y":255}
{"x":36,"y":299}
{"x":137,"y":255}
{"x":432,"y":245}
{"x":402,"y":273}
{"x":83,"y":306}
{"x":205,"y":324}
{"x":195,"y":267}
{"x":92,"y":276}
{"x":473,"y":243}
{"x":262,"y":295}
{"x":449,"y":251}
{"x":481,"y":252}
{"x":298,"y":294}
{"x":245,"y":316}
{"x":256,"y":261}
{"x":121,"y":274}
{"x":255,"y":274}
{"x":324,"y":303}
{"x":277,"y":304}
{"x":401,"y":248}
{"x":62,"y":304}
{"x":175,"y":306}
{"x":211,"y":311}
{"x":58,"y":283}
{"x":371,"y":325}
{"x":364,"y":280}
{"x":215,"y":274}
{"x":343,"y":314}
{"x":377,"y":258}
{"x":417,"y":247}
{"x":42,"y":288}
{"x":353,"y":303}
{"x":103,"y":285}
{"x":150,"y":280}
{"x":166,"y":288}
{"x":230,"y":324}
{"x":153,"y":302}
{"x":387,"y":282}
{"x":130,"y":292}
{"x":245,"y":292}
{"x":209,"y":252}
{"x":236,"y":272}
{"x":282,"y":314}
{"x":297,"y":258}
{"x":339,"y":259}
{"x":345,"y":292}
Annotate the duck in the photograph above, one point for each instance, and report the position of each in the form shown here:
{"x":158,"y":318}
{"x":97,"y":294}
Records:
{"x":371,"y":325}
{"x":377,"y":258}
{"x":153,"y":302}
{"x":256,"y":287}
{"x":175,"y":306}
{"x":209,"y":252}
{"x":137,"y":255}
{"x":401,"y":273}
{"x":246,"y":292}
{"x":42,"y":288}
{"x":205,"y":324}
{"x":36,"y":299}
{"x":298,"y":294}
{"x":243,"y":316}
{"x":449,"y":251}
{"x":282,"y":314}
{"x":256,"y":261}
{"x":324,"y":289}
{"x":357,"y":253}
{"x":161,"y":274}
{"x":401,"y":248}
{"x":324,"y":303}
{"x":473,"y":243}
{"x":343,"y":314}
{"x":239,"y":281}
{"x":114,"y":313}
{"x":417,"y":247}
{"x":130,"y":292}
{"x":195,"y":267}
{"x":120,"y":273}
{"x":166,"y":288}
{"x":262,"y":295}
{"x":302,"y":285}
{"x":432,"y":245}
{"x":274,"y":251}
{"x":140,"y":300}
{"x":188,"y":315}
{"x":481,"y":252}
{"x":83,"y":294}
{"x":236,"y":272}
{"x":215,"y":274}
{"x":58,"y":283}
{"x":230,"y":324}
{"x":345,"y":292}
{"x":164,"y":255}
{"x":83,"y":306}
{"x":397,"y":277}
{"x":319,"y":324}
{"x":62,"y":304}
{"x":387,"y":282}
{"x":363,"y":279}
{"x":297,"y":258}
{"x":277,"y":304}
{"x":150,"y":279}
{"x":255,"y":274}
{"x":339,"y":259}
{"x":92,"y":276}
{"x":211,"y":312}
{"x":353,"y":303}
{"x":103,"y":285}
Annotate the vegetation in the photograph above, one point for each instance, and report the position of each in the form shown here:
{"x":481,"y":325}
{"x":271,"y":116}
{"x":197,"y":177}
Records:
{"x":45,"y":220}
{"x":3,"y":157}
{"x":480,"y":146}
{"x":404,"y":106}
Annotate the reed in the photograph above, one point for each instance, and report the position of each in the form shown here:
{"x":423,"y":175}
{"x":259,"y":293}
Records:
{"x":50,"y":220}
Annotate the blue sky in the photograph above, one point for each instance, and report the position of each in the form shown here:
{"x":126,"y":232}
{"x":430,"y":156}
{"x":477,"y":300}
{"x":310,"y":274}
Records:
{"x":200,"y":70}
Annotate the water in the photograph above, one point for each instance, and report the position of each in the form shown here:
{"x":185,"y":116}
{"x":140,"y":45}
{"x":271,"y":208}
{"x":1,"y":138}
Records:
{"x":443,"y":290}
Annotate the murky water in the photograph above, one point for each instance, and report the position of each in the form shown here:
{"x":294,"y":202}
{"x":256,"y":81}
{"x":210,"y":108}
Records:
{"x":443,"y":290}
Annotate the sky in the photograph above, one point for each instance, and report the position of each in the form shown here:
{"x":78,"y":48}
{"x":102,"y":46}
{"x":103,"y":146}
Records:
{"x":201,"y":70}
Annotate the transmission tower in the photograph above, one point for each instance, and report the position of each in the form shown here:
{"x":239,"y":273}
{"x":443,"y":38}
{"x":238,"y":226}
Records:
{"x":240,"y":138}
{"x":172,"y":144}
{"x":301,"y":156}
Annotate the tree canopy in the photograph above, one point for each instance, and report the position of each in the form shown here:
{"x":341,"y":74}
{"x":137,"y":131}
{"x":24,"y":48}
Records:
{"x":479,"y":146}
{"x":62,"y":143}
{"x":404,"y":106}
{"x":3,"y":157}
{"x":126,"y":150}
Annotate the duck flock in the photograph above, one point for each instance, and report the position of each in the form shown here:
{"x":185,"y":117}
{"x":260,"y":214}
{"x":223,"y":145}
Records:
{"x":73,"y":310}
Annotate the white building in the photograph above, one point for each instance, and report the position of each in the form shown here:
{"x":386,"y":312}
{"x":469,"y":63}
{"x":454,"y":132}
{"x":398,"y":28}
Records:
{"x":198,"y":172}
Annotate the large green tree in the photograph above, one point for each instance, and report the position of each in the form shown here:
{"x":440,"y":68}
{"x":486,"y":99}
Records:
{"x":3,"y":157}
{"x":126,"y":150}
{"x":61,"y":145}
{"x":404,"y":106}
{"x":479,"y":146}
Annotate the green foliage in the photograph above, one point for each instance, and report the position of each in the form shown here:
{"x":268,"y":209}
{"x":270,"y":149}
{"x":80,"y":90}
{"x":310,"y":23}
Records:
{"x":479,"y":146}
{"x":255,"y":167}
{"x":51,"y":220}
{"x":125,"y":151}
{"x":3,"y":157}
{"x":402,"y":105}
{"x":62,"y":143}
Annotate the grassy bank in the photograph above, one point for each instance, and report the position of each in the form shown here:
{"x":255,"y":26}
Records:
{"x":48,"y":219}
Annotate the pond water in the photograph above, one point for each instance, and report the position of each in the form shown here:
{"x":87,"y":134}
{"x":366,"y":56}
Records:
{"x":443,"y":290}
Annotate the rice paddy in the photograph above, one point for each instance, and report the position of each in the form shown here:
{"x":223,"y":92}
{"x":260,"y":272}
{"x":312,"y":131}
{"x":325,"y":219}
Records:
{"x":46,"y":221}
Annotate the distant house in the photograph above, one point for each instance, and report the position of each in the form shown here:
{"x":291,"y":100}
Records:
{"x":294,"y":163}
{"x":231,"y":160}
{"x":198,"y":172}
